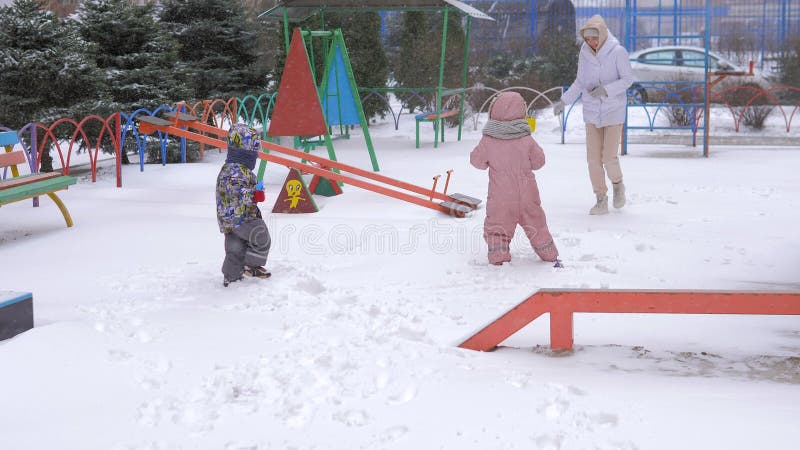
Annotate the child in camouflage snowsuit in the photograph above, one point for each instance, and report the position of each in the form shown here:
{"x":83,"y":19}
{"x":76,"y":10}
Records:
{"x":247,"y":239}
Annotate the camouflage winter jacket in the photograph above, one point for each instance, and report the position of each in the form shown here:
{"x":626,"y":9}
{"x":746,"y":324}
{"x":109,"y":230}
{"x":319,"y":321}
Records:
{"x":235,"y":206}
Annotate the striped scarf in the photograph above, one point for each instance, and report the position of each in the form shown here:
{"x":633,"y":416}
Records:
{"x":511,"y":129}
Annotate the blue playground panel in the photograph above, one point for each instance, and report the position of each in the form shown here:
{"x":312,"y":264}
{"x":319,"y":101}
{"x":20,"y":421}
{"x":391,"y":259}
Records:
{"x":340,"y":103}
{"x":16,"y":313}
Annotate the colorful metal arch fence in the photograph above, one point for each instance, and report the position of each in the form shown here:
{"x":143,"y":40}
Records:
{"x":749,"y":98}
{"x":738,"y":112}
{"x":96,"y":133}
{"x":252,"y":109}
{"x":109,"y":132}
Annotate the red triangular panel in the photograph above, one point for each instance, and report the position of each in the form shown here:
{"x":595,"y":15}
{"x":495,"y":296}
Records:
{"x":294,"y":197}
{"x":297,"y":110}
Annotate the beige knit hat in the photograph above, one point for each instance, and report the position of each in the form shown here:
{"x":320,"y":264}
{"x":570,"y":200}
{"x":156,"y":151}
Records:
{"x":591,"y":32}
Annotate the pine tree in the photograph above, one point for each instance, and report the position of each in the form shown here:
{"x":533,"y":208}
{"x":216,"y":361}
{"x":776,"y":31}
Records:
{"x":418,"y":63}
{"x":217,"y":45}
{"x":138,"y":58}
{"x":44,"y":70}
{"x":556,"y":62}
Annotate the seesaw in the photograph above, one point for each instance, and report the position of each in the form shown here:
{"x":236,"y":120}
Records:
{"x":457,"y":205}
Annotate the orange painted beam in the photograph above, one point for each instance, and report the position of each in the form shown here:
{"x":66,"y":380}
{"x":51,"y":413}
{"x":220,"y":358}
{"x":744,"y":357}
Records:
{"x":561,"y":304}
{"x":149,"y":128}
{"x":326,"y":162}
{"x":672,"y":301}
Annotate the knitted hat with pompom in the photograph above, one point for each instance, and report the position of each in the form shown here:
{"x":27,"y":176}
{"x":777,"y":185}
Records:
{"x":245,"y":137}
{"x":244,"y":144}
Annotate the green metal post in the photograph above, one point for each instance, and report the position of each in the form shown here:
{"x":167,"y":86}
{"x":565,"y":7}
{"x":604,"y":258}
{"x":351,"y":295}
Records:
{"x":464,"y":77}
{"x":339,"y":38}
{"x":437,"y":124}
{"x":286,"y":30}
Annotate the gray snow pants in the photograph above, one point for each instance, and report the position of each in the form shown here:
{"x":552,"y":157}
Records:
{"x":247,"y":245}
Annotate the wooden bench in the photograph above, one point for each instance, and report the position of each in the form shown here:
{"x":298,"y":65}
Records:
{"x":21,"y":187}
{"x":438,"y":122}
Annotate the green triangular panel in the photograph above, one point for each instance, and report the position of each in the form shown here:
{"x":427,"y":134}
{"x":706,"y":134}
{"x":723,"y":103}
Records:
{"x":326,"y":188}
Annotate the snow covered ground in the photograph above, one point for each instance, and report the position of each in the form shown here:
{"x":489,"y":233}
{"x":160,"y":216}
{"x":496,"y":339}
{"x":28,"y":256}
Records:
{"x":352,"y":344}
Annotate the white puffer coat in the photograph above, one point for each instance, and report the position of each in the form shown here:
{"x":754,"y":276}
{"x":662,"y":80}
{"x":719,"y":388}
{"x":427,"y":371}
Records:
{"x":610,"y":67}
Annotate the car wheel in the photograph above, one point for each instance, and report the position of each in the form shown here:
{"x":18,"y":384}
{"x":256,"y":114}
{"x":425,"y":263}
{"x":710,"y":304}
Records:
{"x":637,"y":95}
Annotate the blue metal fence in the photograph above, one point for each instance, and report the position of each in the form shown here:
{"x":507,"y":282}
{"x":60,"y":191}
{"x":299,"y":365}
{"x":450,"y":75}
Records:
{"x":740,"y":29}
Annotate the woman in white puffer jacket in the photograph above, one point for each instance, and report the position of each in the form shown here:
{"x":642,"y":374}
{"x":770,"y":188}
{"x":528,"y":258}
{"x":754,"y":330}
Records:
{"x":604,"y":76}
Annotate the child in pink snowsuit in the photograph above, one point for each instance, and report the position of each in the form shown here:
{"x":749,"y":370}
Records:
{"x":511,"y":154}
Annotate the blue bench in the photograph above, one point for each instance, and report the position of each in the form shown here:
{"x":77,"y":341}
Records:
{"x":438,"y":122}
{"x":16,"y":313}
{"x":20,"y":187}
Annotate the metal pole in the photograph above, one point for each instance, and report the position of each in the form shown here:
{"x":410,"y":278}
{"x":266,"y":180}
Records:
{"x":286,"y":30}
{"x":464,"y":78}
{"x":676,"y":24}
{"x":441,"y":78}
{"x":706,"y":100}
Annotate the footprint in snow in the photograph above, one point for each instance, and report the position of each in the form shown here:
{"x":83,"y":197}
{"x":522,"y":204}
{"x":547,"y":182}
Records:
{"x":604,"y":268}
{"x":394,"y":433}
{"x":119,"y":356}
{"x":548,"y":442}
{"x":604,"y":420}
{"x":382,"y":380}
{"x":352,"y":418}
{"x":408,"y":394}
{"x":298,"y":415}
{"x":554,"y":409}
{"x":311,"y":286}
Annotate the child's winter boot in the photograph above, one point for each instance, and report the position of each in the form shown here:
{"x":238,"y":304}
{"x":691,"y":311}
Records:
{"x":619,"y":194}
{"x":601,"y":207}
{"x":256,"y":271}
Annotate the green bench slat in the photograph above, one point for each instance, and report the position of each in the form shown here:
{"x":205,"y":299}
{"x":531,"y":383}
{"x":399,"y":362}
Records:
{"x":36,"y":188}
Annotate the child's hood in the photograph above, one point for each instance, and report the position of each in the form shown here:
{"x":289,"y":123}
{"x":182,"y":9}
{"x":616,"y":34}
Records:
{"x":508,"y":106}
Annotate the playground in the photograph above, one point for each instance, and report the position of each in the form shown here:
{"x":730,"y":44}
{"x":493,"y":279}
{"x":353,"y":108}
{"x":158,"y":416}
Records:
{"x":673,"y":322}
{"x":353,"y":342}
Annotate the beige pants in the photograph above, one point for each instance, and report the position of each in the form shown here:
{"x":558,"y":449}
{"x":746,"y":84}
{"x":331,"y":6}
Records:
{"x":602,"y":145}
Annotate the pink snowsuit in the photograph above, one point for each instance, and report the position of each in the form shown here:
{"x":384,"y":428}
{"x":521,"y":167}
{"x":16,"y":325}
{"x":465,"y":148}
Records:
{"x":513,"y":194}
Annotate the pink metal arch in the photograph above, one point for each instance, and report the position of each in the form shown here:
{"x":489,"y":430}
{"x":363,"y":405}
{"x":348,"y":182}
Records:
{"x":93,"y":147}
{"x":738,"y":112}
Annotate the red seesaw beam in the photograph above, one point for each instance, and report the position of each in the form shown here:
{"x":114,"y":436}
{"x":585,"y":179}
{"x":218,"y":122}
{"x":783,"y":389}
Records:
{"x":561,"y":304}
{"x":182,"y":121}
{"x":148,"y":125}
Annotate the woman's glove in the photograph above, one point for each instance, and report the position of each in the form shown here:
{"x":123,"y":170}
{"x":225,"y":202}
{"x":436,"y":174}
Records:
{"x":599,"y":92}
{"x":558,"y":108}
{"x":258,"y":195}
